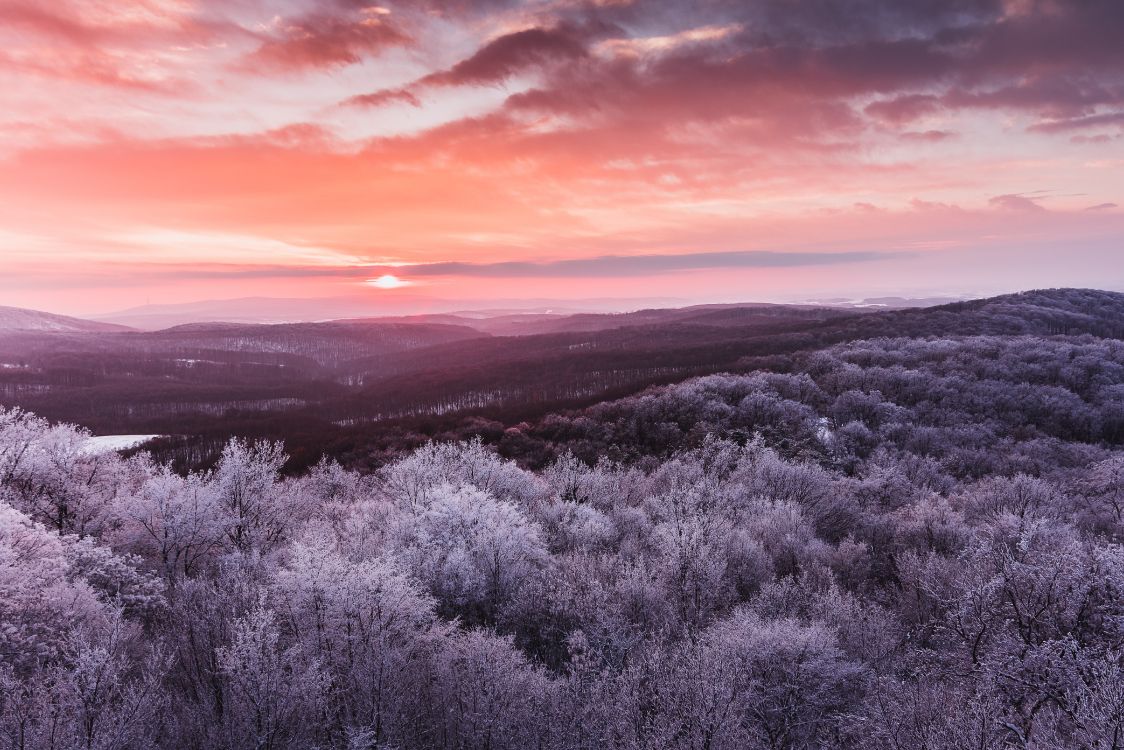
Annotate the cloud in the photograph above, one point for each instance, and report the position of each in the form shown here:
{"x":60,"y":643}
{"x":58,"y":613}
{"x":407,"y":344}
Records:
{"x":325,"y":40}
{"x":38,"y":19}
{"x":510,"y":54}
{"x":133,"y":49}
{"x":612,"y":266}
{"x":1102,"y":207}
{"x":1013,"y":202}
{"x":930,"y":136}
{"x":811,"y":65}
{"x":603,"y":267}
{"x":384,"y":97}
{"x":456,"y":8}
{"x":918,"y":204}
{"x":646,"y":45}
{"x":1100,"y":138}
{"x":1078,"y":123}
{"x":901,"y":110}
{"x":495,"y":62}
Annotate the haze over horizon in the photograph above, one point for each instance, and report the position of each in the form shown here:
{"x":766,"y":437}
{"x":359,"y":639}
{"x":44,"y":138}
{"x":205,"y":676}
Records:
{"x":171,"y":151}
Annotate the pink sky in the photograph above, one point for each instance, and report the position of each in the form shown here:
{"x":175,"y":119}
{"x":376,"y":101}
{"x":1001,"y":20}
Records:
{"x":176,"y":150}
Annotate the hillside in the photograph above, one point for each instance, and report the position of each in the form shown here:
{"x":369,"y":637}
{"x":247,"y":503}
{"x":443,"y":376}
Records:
{"x":350,"y":386}
{"x":19,"y":319}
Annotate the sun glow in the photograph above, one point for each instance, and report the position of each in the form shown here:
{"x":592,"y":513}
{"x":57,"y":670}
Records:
{"x":387,"y":282}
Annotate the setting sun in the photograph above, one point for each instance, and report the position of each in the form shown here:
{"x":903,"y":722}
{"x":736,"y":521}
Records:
{"x":388,"y":282}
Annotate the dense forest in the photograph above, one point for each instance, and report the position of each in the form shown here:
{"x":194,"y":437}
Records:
{"x":889,"y":530}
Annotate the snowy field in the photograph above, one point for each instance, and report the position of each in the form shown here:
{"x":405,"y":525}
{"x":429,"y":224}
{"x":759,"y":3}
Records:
{"x":108,"y":443}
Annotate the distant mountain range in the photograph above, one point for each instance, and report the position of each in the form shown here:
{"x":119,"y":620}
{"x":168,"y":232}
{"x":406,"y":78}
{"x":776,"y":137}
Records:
{"x":304,"y":310}
{"x":263,"y":317}
{"x":501,"y":317}
{"x":887,"y":302}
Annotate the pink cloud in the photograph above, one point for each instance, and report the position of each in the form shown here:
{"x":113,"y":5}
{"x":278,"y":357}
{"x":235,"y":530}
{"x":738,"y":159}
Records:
{"x":1018,"y":203}
{"x":929,"y":136}
{"x":904,"y":109}
{"x":321,"y":40}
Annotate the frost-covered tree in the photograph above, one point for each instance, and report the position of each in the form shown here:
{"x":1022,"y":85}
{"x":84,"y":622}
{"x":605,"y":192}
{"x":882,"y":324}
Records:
{"x":371,"y":630}
{"x":473,"y":552}
{"x":273,"y":692}
{"x":257,"y":510}
{"x":51,"y":476}
{"x":41,"y":603}
{"x":177,"y":522}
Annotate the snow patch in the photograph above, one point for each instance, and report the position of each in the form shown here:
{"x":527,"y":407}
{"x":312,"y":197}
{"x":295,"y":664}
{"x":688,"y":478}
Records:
{"x":110,"y":443}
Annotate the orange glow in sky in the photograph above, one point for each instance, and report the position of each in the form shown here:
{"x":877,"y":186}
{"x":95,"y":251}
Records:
{"x":482,"y":150}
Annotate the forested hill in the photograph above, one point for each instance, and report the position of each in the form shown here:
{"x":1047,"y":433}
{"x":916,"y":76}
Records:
{"x":1043,"y":312}
{"x":972,"y":404}
{"x":357,"y":389}
{"x":1057,"y":351}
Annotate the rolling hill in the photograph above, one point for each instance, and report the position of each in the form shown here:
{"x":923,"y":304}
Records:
{"x":334,"y":387}
{"x":20,"y":319}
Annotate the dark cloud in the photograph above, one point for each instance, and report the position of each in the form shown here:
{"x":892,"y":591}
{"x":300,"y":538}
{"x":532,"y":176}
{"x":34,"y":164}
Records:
{"x":1102,"y":207}
{"x":448,"y":8}
{"x":1053,"y":98}
{"x":495,"y":62}
{"x":805,"y":68}
{"x":510,"y":54}
{"x":324,"y":40}
{"x":803,"y":23}
{"x":922,"y":58}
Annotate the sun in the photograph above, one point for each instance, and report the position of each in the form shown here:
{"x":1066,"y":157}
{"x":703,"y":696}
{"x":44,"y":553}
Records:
{"x":387,"y":282}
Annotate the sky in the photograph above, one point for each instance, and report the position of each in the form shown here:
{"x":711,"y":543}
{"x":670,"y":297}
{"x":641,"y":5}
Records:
{"x":166,"y":151}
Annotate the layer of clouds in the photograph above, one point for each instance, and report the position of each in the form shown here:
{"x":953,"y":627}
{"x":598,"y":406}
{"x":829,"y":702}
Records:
{"x":599,"y":267}
{"x":821,"y":67}
{"x":611,"y":130}
{"x":640,"y":265}
{"x":887,"y":61}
